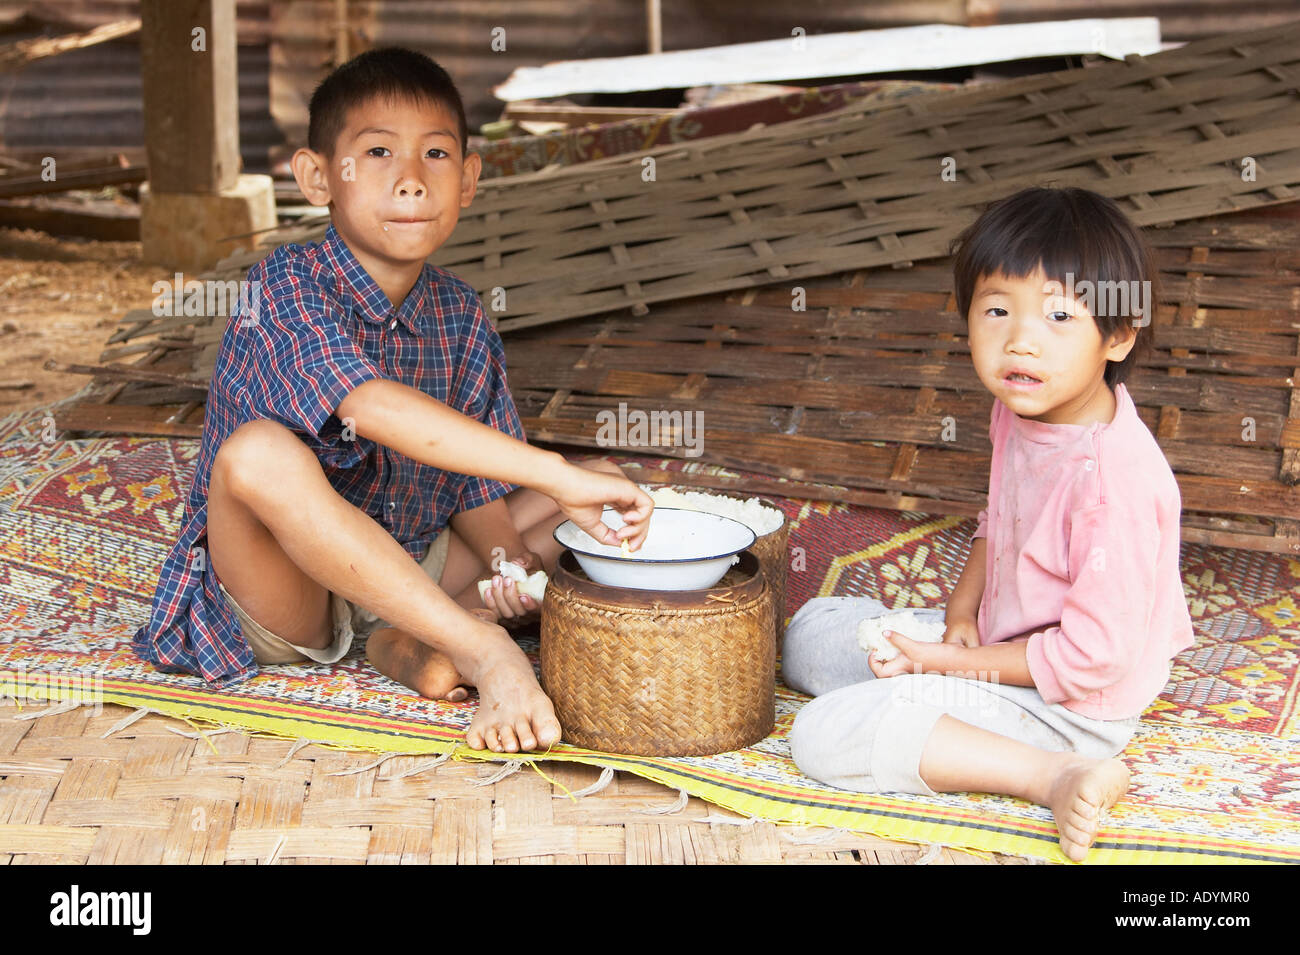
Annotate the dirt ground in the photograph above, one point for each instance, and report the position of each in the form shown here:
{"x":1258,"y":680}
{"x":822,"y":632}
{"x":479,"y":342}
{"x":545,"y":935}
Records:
{"x":60,"y":298}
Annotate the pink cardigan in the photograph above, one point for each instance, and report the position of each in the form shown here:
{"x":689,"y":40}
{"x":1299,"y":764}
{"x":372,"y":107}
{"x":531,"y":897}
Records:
{"x":1082,"y":527}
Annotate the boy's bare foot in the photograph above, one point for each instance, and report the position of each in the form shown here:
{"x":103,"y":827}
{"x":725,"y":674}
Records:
{"x":1082,"y":791}
{"x":398,"y":655}
{"x":513,"y":713}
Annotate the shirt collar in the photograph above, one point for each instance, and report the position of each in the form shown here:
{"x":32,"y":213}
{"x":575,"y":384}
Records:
{"x":367,"y":299}
{"x":1041,"y":432}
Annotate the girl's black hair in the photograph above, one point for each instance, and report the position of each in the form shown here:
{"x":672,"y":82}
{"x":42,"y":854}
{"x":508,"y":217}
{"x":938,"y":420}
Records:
{"x":1067,"y":232}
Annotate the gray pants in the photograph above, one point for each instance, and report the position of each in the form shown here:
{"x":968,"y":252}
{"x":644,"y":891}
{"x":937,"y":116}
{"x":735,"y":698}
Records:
{"x":867,"y":735}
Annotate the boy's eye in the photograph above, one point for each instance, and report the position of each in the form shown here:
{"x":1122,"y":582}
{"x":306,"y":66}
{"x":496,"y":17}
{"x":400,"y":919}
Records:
{"x":438,"y":153}
{"x":995,"y":309}
{"x":377,"y":151}
{"x":1059,"y":317}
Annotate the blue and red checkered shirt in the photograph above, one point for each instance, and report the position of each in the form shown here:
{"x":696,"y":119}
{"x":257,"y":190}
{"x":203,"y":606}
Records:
{"x":317,"y":326}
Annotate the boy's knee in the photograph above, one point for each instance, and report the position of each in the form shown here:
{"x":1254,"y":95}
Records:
{"x":255,"y":451}
{"x":600,"y":464}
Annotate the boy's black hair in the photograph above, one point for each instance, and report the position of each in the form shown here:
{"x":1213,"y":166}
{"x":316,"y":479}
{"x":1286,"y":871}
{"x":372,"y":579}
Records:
{"x":1064,"y":230}
{"x":392,"y":73}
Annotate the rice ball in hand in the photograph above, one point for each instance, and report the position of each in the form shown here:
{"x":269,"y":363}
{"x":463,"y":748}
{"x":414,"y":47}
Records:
{"x":871,"y":632}
{"x":530,"y":585}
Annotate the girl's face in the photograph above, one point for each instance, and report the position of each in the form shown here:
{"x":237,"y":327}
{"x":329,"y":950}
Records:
{"x":1040,"y":352}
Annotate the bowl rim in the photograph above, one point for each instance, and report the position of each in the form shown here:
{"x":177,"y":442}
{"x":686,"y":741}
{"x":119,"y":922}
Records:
{"x":633,"y":559}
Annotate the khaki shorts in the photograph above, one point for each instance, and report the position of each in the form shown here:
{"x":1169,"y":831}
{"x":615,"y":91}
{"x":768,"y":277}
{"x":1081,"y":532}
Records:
{"x":350,"y":620}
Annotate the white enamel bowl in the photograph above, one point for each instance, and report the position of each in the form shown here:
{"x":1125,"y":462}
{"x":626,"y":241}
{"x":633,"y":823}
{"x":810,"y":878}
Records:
{"x":684,"y":550}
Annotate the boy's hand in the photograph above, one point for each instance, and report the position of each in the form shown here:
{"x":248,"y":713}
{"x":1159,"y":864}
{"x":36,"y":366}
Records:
{"x":913,"y":657}
{"x":962,"y":631}
{"x":584,"y":494}
{"x":503,"y":597}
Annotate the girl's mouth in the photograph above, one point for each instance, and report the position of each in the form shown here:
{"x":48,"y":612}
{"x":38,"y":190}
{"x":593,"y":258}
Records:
{"x":1020,"y":379}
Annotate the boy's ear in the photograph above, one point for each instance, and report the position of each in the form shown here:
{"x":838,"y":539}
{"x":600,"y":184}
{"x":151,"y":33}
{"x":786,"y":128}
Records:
{"x":472,"y":169}
{"x":1121,"y":342}
{"x":309,"y":169}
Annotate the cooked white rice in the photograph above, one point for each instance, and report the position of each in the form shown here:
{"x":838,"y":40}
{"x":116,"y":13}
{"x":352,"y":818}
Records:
{"x":871,"y":632}
{"x":753,"y":513}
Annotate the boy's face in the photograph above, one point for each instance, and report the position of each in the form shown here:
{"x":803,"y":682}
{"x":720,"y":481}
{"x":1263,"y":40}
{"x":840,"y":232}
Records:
{"x":1039,"y":351}
{"x":396,"y":182}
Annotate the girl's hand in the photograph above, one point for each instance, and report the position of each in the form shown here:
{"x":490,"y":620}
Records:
{"x":503,"y":597}
{"x":962,"y":631}
{"x":584,"y":494}
{"x":913,"y":657}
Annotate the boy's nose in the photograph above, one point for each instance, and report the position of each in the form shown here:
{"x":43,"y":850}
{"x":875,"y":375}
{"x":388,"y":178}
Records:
{"x":410,"y":187}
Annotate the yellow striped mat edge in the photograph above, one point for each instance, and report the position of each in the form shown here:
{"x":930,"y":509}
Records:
{"x":883,"y":816}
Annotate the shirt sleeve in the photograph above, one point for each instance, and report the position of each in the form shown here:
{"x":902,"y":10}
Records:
{"x":304,"y":364}
{"x":482,"y":393}
{"x":1114,"y":549}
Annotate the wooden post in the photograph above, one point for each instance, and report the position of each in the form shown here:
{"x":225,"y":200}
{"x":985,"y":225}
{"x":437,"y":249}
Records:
{"x":654,"y":25}
{"x":340,"y":32}
{"x":191,"y":110}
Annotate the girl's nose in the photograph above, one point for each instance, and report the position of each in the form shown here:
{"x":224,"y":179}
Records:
{"x":1020,"y":339}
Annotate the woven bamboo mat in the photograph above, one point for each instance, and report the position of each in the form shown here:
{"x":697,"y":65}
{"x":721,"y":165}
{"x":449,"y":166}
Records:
{"x":73,"y":792}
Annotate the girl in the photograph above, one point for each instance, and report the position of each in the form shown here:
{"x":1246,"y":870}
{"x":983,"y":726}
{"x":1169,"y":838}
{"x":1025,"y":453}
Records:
{"x":1062,"y":626}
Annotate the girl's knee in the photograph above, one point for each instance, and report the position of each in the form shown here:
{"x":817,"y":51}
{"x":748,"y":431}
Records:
{"x":831,"y":734}
{"x":820,"y":652}
{"x":811,"y":739}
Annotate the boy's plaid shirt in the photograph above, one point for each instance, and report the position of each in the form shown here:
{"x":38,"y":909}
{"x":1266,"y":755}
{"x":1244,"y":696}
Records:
{"x":314,"y":326}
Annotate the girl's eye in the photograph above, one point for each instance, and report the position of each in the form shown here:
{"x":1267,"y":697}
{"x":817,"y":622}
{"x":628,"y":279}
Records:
{"x":1060,"y":317}
{"x":1001,"y":311}
{"x":373,"y":150}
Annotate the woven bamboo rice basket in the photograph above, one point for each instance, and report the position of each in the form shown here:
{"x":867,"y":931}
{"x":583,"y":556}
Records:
{"x":772,"y":549}
{"x":660,"y":673}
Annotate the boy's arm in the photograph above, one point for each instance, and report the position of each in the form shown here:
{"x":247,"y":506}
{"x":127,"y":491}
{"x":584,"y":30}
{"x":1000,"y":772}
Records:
{"x":426,"y":430}
{"x":487,"y":528}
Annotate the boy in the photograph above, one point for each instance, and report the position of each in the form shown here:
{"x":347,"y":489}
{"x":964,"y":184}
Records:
{"x":349,"y":407}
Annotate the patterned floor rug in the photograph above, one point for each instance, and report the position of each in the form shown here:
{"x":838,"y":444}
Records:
{"x":85,"y":525}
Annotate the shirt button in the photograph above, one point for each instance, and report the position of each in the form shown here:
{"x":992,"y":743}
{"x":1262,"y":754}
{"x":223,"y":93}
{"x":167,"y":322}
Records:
{"x":393,"y":324}
{"x":1089,"y":464}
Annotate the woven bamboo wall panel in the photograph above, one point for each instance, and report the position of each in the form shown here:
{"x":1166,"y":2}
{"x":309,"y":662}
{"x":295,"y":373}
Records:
{"x":871,"y":388}
{"x":1166,"y":136}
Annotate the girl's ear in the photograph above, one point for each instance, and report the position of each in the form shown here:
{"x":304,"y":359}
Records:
{"x":1121,"y":342}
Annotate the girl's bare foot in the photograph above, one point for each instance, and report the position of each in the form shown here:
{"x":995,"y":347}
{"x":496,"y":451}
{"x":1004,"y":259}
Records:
{"x":398,"y":655}
{"x":513,"y":713}
{"x":1080,"y":794}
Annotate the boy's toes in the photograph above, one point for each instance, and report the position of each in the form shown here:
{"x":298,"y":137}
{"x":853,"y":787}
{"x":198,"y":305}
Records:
{"x":524,"y":733}
{"x":548,"y":732}
{"x":508,"y":741}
